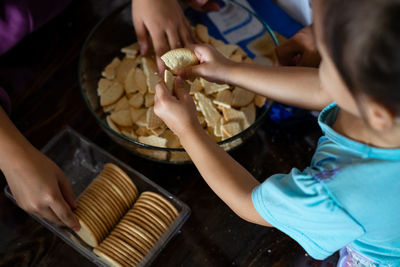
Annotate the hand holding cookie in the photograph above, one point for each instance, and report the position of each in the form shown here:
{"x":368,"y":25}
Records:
{"x":127,"y":91}
{"x":179,"y":111}
{"x":213,"y":64}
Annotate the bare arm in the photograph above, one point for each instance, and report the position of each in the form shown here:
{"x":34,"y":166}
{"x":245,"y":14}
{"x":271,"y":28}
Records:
{"x":297,"y":86}
{"x":227,"y":178}
{"x":38,"y":185}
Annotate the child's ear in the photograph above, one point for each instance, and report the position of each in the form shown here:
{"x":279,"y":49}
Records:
{"x":379,"y":117}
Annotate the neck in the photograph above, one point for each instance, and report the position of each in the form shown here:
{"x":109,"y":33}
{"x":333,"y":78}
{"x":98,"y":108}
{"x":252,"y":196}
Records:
{"x":357,"y":129}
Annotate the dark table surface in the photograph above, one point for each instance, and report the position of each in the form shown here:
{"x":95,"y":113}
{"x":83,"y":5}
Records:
{"x":40,"y":74}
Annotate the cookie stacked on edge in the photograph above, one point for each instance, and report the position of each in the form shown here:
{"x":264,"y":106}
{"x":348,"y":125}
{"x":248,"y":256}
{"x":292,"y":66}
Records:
{"x":121,"y":230}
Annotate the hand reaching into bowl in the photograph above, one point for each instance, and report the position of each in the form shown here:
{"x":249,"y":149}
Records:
{"x":163,"y":23}
{"x":179,"y":111}
{"x":230,"y":181}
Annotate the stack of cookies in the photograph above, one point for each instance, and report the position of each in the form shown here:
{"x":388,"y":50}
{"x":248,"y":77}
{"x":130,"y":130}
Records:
{"x":103,"y":203}
{"x":110,"y":197}
{"x":138,"y":231}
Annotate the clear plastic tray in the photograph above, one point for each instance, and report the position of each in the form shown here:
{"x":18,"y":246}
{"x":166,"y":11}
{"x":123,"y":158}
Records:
{"x":81,"y":160}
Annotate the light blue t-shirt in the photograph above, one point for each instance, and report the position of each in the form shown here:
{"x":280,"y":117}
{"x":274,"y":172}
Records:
{"x":348,"y":198}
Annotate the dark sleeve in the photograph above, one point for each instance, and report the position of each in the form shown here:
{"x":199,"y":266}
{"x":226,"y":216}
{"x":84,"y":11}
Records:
{"x":5,"y":102}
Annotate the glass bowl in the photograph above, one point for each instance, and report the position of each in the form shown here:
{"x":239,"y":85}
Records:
{"x":104,"y":43}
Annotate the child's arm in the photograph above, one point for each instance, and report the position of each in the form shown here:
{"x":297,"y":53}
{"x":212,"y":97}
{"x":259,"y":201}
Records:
{"x":37,"y":184}
{"x":230,"y":181}
{"x":297,"y":86}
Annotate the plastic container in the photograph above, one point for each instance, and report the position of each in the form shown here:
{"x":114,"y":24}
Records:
{"x":81,"y":161}
{"x":104,"y":43}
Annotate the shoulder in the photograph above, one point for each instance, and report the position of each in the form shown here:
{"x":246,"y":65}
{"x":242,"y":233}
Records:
{"x":301,"y":206}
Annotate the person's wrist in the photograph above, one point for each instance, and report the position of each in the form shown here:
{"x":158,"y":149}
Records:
{"x":16,"y":157}
{"x":189,"y":131}
{"x":225,"y":71}
{"x":233,"y":71}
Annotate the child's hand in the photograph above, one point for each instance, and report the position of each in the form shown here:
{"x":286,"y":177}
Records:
{"x":203,"y":5}
{"x":166,"y":24}
{"x":179,"y":113}
{"x":213,"y":65}
{"x":300,"y":50}
{"x":41,"y":188}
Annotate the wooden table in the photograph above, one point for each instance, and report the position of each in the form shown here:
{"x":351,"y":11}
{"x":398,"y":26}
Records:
{"x":41,"y":76}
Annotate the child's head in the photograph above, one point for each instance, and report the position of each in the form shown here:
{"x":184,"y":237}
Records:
{"x":359,"y":41}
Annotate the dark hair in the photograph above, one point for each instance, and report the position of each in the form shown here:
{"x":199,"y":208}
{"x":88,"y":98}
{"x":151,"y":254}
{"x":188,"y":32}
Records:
{"x":363,"y":39}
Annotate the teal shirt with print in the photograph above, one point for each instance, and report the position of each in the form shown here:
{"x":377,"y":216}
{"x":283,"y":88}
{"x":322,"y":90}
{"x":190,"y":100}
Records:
{"x":349,"y":196}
